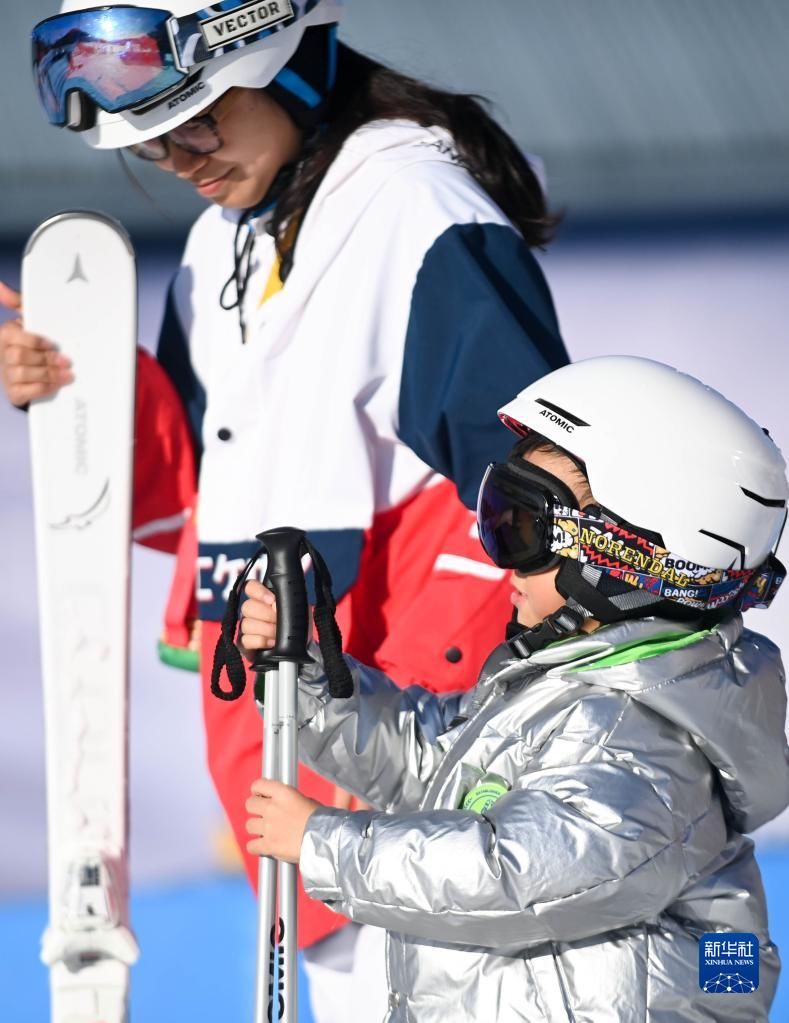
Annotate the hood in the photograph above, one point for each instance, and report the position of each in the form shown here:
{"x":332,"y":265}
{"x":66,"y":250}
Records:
{"x":368,"y":159}
{"x":725,"y":687}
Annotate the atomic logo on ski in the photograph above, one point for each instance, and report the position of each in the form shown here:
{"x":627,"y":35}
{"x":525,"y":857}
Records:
{"x":83,"y":519}
{"x":77,"y":274}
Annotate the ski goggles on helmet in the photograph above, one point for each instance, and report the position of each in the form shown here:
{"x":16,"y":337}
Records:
{"x":126,"y":57}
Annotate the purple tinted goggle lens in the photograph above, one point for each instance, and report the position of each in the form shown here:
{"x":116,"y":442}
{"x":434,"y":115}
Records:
{"x":515,"y":520}
{"x":120,"y":57}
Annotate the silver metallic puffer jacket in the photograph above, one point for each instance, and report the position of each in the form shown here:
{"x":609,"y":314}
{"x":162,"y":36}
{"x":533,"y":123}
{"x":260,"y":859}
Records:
{"x":581,"y":893}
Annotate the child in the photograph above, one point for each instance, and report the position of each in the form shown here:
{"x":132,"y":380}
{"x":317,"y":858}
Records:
{"x":553,"y":844}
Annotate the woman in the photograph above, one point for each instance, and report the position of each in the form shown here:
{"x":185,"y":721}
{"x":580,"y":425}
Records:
{"x":354,"y":301}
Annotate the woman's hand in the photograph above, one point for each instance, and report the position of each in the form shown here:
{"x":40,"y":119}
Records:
{"x":31,"y":366}
{"x":278,"y":816}
{"x":258,"y":619}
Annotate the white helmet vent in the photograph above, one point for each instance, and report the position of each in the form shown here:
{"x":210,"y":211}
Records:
{"x":768,"y":502}
{"x":729,"y":543}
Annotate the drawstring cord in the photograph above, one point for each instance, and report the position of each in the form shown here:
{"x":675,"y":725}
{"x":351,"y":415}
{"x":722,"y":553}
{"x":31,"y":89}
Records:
{"x":244,"y":243}
{"x":242,"y":265}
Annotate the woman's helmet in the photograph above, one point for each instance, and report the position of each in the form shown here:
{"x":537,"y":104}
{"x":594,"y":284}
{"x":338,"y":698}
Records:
{"x":123,"y":73}
{"x":690,"y":493}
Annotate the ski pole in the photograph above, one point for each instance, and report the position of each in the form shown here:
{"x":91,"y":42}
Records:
{"x":277,"y":669}
{"x":276,"y":681}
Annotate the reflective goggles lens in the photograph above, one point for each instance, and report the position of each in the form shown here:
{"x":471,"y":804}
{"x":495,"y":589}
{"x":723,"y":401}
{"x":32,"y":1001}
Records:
{"x":198,"y":136}
{"x":515,"y":514}
{"x":120,"y":57}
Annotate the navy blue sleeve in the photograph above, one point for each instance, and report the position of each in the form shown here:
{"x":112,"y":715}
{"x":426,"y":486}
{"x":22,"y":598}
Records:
{"x":482,"y":327}
{"x":342,"y":551}
{"x":173,"y":355}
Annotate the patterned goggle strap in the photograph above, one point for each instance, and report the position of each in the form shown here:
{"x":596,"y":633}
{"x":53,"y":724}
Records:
{"x":761,"y":590}
{"x":630,"y":558}
{"x":125,"y":57}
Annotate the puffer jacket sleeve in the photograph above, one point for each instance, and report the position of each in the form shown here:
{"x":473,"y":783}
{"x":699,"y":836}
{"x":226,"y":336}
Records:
{"x":587,"y":841}
{"x":380,"y":743}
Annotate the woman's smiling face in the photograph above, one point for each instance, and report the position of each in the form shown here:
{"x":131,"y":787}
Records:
{"x":258,"y":139}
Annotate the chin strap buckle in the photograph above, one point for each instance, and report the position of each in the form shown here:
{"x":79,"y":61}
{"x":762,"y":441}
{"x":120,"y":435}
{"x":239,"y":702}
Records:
{"x":560,"y":625}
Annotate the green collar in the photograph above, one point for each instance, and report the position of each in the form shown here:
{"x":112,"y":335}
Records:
{"x":641,"y":649}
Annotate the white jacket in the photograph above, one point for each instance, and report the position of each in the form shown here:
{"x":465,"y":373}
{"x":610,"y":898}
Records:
{"x":375,"y":372}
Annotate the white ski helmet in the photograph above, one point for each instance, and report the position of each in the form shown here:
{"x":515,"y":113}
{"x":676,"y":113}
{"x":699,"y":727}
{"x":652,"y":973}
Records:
{"x":665,"y":453}
{"x":205,"y":51}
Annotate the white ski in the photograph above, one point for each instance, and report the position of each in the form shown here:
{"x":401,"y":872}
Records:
{"x":79,"y":290}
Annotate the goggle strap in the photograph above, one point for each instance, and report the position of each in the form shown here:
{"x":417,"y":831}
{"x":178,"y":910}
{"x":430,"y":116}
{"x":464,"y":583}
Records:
{"x":763,"y":586}
{"x":80,"y":116}
{"x":574,"y":588}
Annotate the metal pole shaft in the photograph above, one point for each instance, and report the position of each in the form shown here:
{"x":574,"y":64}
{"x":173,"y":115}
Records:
{"x":288,"y":872}
{"x":265,"y":986}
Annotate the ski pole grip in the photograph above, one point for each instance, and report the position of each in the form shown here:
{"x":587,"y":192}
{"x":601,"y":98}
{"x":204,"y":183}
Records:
{"x":285,"y":576}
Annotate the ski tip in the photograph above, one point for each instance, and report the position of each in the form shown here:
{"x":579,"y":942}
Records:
{"x":80,"y":214}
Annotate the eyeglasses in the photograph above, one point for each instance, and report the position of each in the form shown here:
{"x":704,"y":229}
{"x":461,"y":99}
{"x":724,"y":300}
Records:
{"x":198,"y":135}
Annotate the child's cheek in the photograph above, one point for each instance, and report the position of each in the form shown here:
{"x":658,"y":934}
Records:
{"x":540,"y":599}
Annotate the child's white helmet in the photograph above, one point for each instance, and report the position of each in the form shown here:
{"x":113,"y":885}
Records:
{"x":162,"y":61}
{"x":664,"y":452}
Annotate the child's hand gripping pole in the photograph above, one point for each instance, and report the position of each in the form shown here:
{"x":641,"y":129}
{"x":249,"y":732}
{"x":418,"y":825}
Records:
{"x":276,"y":689}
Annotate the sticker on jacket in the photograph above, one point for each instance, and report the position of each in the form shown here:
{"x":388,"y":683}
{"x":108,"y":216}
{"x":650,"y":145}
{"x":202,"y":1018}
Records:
{"x":480,"y":799}
{"x":728,"y":963}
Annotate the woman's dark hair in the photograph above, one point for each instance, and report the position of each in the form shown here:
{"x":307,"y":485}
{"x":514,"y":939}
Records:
{"x":367,"y":91}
